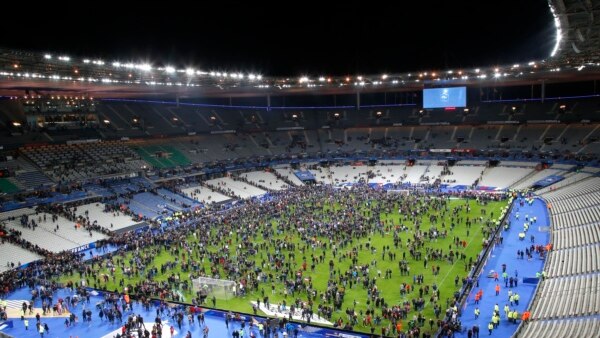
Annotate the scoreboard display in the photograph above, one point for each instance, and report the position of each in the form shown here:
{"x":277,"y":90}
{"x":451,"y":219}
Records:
{"x":450,"y":97}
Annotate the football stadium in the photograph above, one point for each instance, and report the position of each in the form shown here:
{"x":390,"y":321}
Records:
{"x":150,"y":199}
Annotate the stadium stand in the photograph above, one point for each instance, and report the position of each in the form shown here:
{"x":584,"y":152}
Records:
{"x":71,"y":179}
{"x":204,"y":194}
{"x":265,"y":180}
{"x":235,"y":188}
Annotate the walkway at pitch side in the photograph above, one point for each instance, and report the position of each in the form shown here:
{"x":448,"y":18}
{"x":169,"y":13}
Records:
{"x":506,"y":253}
{"x":214,"y":319}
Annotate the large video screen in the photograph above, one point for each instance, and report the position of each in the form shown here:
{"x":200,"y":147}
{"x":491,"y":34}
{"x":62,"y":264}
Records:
{"x":445,"y":97}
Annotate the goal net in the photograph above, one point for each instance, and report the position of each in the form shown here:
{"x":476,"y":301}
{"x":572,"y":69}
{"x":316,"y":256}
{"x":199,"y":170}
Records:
{"x":208,"y":288}
{"x":403,"y":192}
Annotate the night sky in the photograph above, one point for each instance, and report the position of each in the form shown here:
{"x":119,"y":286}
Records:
{"x":290,"y":38}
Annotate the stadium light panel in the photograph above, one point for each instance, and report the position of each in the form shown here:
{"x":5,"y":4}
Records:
{"x":47,"y":56}
{"x":169,"y":69}
{"x":190,"y":71}
{"x":559,"y":33}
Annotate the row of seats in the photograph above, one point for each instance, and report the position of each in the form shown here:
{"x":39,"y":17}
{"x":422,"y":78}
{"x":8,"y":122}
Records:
{"x":532,"y":179}
{"x":266,"y":180}
{"x":569,"y":328}
{"x":572,"y":284}
{"x":503,"y":177}
{"x":570,"y":183}
{"x":288,"y":173}
{"x":11,"y":253}
{"x":577,"y":202}
{"x":576,"y":236}
{"x":204,"y":195}
{"x":568,"y":297}
{"x":71,"y":162}
{"x":576,"y":218}
{"x":576,"y":189}
{"x":16,"y":213}
{"x":573,"y":261}
{"x":238,"y":189}
{"x":65,"y":238}
{"x":108,"y":220}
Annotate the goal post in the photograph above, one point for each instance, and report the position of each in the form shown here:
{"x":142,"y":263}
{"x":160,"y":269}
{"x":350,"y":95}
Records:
{"x":403,"y":192}
{"x":208,"y":288}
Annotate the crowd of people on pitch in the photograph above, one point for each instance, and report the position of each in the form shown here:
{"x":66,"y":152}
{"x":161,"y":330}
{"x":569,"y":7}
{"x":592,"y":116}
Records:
{"x":256,"y":245}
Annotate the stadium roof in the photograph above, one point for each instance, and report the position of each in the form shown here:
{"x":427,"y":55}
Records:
{"x":49,"y":73}
{"x":578,"y":28}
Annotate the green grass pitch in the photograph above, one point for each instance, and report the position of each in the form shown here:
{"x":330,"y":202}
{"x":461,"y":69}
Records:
{"x":326,"y":211}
